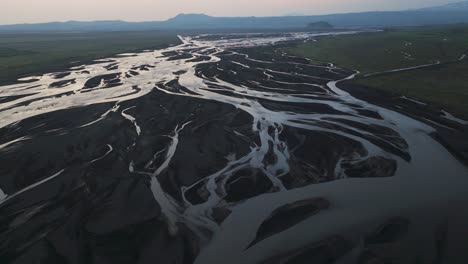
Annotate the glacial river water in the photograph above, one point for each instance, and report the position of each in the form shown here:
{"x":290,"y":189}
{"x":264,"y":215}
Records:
{"x":333,"y":165}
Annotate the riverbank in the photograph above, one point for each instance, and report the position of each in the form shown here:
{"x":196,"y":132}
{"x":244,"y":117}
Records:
{"x":443,"y":86}
{"x":448,"y":131}
{"x":391,"y":61}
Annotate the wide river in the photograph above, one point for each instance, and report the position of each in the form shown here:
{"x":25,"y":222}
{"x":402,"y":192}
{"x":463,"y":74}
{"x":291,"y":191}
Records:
{"x":223,"y":149}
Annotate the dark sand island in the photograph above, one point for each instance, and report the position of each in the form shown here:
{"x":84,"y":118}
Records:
{"x":219,"y":150}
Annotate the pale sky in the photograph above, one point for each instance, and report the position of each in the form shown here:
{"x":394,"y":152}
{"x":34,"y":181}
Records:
{"x":33,"y":11}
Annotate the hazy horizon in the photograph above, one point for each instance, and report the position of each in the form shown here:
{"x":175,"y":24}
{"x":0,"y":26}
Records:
{"x":25,"y":11}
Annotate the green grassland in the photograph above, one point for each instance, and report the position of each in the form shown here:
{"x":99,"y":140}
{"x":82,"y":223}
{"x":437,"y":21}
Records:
{"x":24,"y":54}
{"x":444,"y":85}
{"x":374,"y":52}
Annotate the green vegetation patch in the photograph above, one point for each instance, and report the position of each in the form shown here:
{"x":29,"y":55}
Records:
{"x":445,"y":85}
{"x":391,"y":49}
{"x":33,"y":53}
{"x":9,"y":52}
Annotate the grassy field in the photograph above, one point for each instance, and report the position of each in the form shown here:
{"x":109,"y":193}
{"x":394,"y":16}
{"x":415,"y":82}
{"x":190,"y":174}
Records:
{"x":391,"y":49}
{"x":445,"y":85}
{"x":26,"y":54}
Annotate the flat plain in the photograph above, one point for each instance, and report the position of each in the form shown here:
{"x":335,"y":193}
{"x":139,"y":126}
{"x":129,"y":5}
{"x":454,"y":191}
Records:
{"x":24,"y":54}
{"x":222,"y":148}
{"x":383,"y":52}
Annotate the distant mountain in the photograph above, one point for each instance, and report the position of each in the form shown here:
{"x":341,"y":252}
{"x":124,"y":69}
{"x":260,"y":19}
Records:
{"x":447,"y":14}
{"x":459,"y":6}
{"x":295,"y":14}
{"x":190,"y":17}
{"x":366,"y":19}
{"x":70,"y":26}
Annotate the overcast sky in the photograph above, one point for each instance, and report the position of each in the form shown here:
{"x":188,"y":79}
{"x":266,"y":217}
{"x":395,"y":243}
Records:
{"x":32,"y":11}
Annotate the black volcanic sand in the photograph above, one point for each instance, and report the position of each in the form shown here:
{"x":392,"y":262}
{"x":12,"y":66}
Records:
{"x":101,"y":209}
{"x":103,"y":201}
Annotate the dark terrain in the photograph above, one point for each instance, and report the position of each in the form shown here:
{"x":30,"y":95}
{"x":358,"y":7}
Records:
{"x":214,"y":152}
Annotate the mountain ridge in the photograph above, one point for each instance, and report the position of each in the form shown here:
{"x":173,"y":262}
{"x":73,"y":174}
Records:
{"x":444,"y":14}
{"x":457,"y":6}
